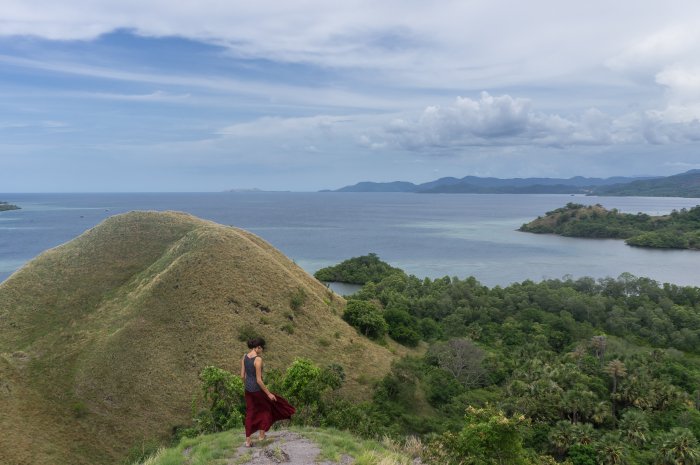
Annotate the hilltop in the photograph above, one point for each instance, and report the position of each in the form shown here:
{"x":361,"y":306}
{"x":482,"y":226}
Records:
{"x":102,"y":338}
{"x":298,"y":446}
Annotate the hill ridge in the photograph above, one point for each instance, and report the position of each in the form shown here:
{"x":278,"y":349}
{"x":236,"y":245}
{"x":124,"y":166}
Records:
{"x":102,"y":338}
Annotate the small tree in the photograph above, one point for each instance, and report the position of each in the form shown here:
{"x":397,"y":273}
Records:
{"x":488,"y":437}
{"x":366,"y":317}
{"x":462,"y":359}
{"x":304,"y":382}
{"x":223,"y":392}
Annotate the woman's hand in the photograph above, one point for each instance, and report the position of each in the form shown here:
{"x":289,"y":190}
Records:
{"x":272,"y":397}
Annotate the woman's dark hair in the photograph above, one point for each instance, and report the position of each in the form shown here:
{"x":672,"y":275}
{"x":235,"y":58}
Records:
{"x":255,"y":342}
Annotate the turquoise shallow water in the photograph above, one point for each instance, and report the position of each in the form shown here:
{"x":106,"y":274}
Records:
{"x":426,"y":235}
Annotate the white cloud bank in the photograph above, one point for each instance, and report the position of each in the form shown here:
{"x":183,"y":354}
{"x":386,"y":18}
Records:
{"x":504,"y":120}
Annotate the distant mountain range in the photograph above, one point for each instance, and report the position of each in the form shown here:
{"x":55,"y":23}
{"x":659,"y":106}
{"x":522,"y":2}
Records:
{"x":680,"y":185}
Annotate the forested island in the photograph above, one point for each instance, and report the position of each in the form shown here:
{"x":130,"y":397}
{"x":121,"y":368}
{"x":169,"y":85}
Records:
{"x":4,"y":206}
{"x":584,"y":371}
{"x":678,"y":230}
{"x":358,"y":270}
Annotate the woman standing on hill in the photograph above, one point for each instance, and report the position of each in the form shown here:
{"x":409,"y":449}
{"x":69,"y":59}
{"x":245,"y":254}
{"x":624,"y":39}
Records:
{"x":263,"y":408}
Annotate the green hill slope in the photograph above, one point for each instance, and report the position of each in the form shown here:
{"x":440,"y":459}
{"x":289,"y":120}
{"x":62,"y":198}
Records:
{"x":102,"y":338}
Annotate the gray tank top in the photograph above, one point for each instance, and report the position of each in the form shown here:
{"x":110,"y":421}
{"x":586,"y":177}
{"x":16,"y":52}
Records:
{"x":251,"y":379}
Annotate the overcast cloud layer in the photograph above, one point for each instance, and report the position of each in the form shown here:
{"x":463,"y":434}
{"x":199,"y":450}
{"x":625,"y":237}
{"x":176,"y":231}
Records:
{"x":155,"y":95}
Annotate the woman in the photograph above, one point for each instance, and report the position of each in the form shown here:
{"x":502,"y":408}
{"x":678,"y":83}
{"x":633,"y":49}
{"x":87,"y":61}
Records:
{"x":263,"y":408}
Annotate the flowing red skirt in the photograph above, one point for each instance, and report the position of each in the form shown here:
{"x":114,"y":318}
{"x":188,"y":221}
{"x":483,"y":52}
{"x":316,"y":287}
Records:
{"x":261,"y":412}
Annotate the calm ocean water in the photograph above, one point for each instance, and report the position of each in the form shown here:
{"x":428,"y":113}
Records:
{"x":426,"y":235}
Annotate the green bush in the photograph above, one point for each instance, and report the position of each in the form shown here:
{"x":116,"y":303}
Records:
{"x":247,"y":332}
{"x":366,"y":317}
{"x":223,"y":393}
{"x":298,"y":299}
{"x":302,"y":382}
{"x":402,"y":327}
{"x":488,"y":437}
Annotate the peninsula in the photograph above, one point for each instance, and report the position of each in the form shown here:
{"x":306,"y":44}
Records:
{"x":678,"y":230}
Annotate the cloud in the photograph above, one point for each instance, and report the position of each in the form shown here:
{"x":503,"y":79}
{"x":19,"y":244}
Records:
{"x":156,"y":96}
{"x":478,"y":42}
{"x":507,"y":121}
{"x":670,"y":57}
{"x":494,"y":120}
{"x":320,"y":125}
{"x":43,"y":125}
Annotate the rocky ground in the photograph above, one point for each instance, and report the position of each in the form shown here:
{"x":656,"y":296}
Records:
{"x":282,"y":447}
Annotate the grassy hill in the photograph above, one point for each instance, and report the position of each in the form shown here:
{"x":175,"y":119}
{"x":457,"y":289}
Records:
{"x":102,"y":338}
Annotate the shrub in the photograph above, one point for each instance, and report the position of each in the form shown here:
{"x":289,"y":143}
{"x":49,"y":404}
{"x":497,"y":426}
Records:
{"x":247,"y":332}
{"x":402,"y":327}
{"x":302,"y":382}
{"x":404,"y":335}
{"x":366,"y":317}
{"x":288,"y":328}
{"x":488,"y":437}
{"x":223,"y":392}
{"x":298,"y":299}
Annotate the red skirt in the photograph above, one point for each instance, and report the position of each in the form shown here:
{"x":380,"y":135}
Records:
{"x":261,"y":412}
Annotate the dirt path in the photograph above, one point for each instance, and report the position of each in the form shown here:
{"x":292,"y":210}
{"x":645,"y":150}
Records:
{"x":282,"y":447}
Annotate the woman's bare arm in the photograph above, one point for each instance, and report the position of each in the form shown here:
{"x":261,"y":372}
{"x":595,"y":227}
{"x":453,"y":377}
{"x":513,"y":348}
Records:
{"x":258,"y":374}
{"x":243,"y":368}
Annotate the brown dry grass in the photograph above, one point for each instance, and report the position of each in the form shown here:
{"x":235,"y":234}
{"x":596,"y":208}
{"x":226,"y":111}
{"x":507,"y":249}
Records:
{"x":102,"y":339}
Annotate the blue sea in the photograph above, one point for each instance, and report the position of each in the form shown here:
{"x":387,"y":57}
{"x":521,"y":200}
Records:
{"x":425,"y":235}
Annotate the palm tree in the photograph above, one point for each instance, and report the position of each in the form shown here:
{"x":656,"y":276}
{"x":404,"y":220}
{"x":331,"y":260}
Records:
{"x":611,"y":451}
{"x":634,"y":427}
{"x":579,"y":402}
{"x":584,"y":433}
{"x":678,"y":447}
{"x":578,"y":354}
{"x":599,"y":344}
{"x":561,"y":438}
{"x":616,"y":369}
{"x":601,"y":412}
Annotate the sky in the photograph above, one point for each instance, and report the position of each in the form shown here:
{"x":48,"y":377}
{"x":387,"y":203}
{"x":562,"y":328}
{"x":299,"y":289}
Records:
{"x":155,"y":95}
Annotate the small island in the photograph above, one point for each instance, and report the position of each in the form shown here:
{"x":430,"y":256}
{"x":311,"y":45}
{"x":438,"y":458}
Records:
{"x":357,"y":270}
{"x":4,"y":206}
{"x":678,"y":230}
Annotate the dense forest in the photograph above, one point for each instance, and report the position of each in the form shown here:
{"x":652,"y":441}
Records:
{"x":580,"y":372}
{"x":678,"y":230}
